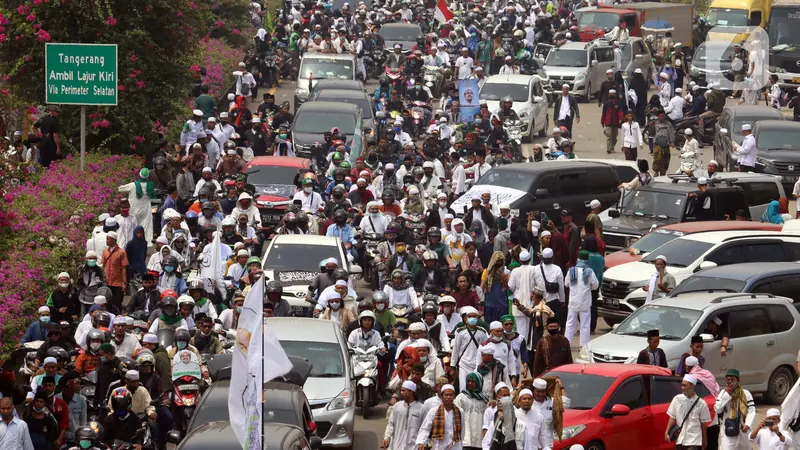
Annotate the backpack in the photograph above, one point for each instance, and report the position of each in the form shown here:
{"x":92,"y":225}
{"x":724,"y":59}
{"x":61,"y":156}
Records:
{"x":662,"y":136}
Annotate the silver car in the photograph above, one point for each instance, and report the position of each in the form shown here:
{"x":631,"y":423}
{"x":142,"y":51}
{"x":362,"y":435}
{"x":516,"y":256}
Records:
{"x":763,"y":331}
{"x":330,"y":387}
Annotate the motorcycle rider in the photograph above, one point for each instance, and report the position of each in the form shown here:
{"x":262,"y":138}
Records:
{"x":437,"y":335}
{"x":396,"y":58}
{"x":554,"y":143}
{"x":433,"y":59}
{"x":413,"y":204}
{"x":383,"y":91}
{"x":121,"y":424}
{"x":150,"y":380}
{"x":343,"y":230}
{"x":506,"y":111}
{"x":431,"y":272}
{"x":86,"y":439}
{"x":310,"y":201}
{"x":366,"y":336}
{"x":169,"y":318}
{"x":205,"y":340}
{"x":374,"y":222}
{"x":274,"y":293}
{"x":201,"y":303}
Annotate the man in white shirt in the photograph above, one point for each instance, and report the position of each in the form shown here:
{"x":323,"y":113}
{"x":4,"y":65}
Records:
{"x":674,"y":108}
{"x":548,"y":273}
{"x":690,"y":412}
{"x":14,"y":433}
{"x":480,"y":167}
{"x":374,"y":222}
{"x":224,"y":130}
{"x":746,"y":153}
{"x":530,"y":424}
{"x":458,"y":181}
{"x":617,"y":57}
{"x":433,"y":59}
{"x":631,"y":137}
{"x":509,"y":68}
{"x":768,"y":436}
{"x":581,"y":281}
{"x":464,"y":64}
{"x":401,"y":136}
{"x":311,"y":201}
{"x":244,"y":81}
{"x":735,"y":396}
{"x":619,"y":33}
{"x":665,"y":91}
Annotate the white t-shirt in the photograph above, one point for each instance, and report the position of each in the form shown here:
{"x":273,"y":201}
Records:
{"x":691,"y":431}
{"x":796,"y":191}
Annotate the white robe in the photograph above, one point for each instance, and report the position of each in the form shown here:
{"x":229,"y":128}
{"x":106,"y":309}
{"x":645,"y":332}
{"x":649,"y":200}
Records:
{"x":442,"y":444}
{"x":140,"y":208}
{"x":545,"y":408}
{"x":403,"y":425}
{"x":521,"y":281}
{"x":449,"y":325}
{"x":742,"y":441}
{"x":531,"y":431}
{"x":471,"y":418}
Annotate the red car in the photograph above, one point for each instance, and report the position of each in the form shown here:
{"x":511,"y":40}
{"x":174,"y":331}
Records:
{"x":666,"y":233}
{"x":618,"y":406}
{"x":273,"y":178}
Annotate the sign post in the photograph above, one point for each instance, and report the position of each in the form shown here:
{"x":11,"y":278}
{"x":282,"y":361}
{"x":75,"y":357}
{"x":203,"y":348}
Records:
{"x":81,"y":74}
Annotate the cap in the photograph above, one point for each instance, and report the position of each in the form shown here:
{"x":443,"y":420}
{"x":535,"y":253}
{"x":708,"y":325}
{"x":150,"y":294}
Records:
{"x":410,"y":385}
{"x":678,"y":89}
{"x":702,"y":181}
{"x":132,"y":375}
{"x":525,"y":392}
{"x":389,"y":166}
{"x":566,"y":212}
{"x":416,"y":326}
{"x":341,"y":283}
{"x":100,"y":300}
{"x":112,"y":235}
{"x":488,"y":349}
{"x":747,"y":127}
{"x":495,"y":325}
{"x":732,"y":373}
{"x":197,"y":112}
{"x":610,"y":71}
{"x":110,"y":222}
{"x":223,"y":115}
{"x":256,"y":120}
{"x":662,"y":257}
{"x":468,"y":310}
{"x":637,"y":71}
{"x":547,"y":253}
{"x":690,"y":379}
{"x":44,"y":309}
{"x":714,"y":162}
{"x":773,"y":412}
{"x":499,"y":386}
{"x":50,"y":360}
{"x":206,"y":169}
{"x":447,"y":387}
{"x":612,"y":91}
{"x":524,"y":256}
{"x":212,"y":119}
{"x":594,"y":204}
{"x":663,"y":75}
{"x":688,"y":132}
{"x":692,"y":361}
{"x":150,"y":338}
{"x":539,"y":384}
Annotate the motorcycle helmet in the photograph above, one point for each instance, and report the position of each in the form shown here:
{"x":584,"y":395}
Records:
{"x":384,"y":80}
{"x":145,"y":358}
{"x":121,"y":401}
{"x":380,"y":297}
{"x":302,"y":217}
{"x":170,"y":306}
{"x":388,"y":195}
{"x":364,"y":305}
{"x":340,"y":274}
{"x":507,"y":99}
{"x":519,"y":34}
{"x":307,"y":181}
{"x":430,"y":255}
{"x":434,"y":232}
{"x":102,"y":319}
{"x":59,"y":354}
{"x":340,"y":214}
{"x":206,"y":206}
{"x":228,"y":222}
{"x":196,"y":283}
{"x":392,"y":227}
{"x":85,"y":437}
{"x":366,"y":315}
{"x":274,"y":287}
{"x":566,"y":143}
{"x":95,"y":335}
{"x":183,"y":299}
{"x":126,"y":364}
{"x":345,"y":165}
{"x":182,"y":334}
{"x":429,"y":308}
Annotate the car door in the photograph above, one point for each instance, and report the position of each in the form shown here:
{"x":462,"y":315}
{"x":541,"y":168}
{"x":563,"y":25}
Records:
{"x":722,"y":143}
{"x":549,"y":198}
{"x":662,"y":390}
{"x":576,"y":187}
{"x":753,"y":343}
{"x":629,"y":431}
{"x":725,"y":204}
{"x":539,"y":108}
{"x":759,"y":194}
{"x":782,"y":322}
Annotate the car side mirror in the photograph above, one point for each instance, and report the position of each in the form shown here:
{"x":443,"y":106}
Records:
{"x":538,"y":99}
{"x":315,"y":442}
{"x":616,"y":325}
{"x":620,"y":410}
{"x":355,"y":269}
{"x":705,"y":265}
{"x":613,"y":213}
{"x":174,"y":437}
{"x":541,"y":193}
{"x":594,"y":62}
{"x":707,"y":338}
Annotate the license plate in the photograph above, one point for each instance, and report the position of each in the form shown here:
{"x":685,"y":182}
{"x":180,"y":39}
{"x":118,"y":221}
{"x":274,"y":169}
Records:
{"x":796,"y":80}
{"x":271,"y":218}
{"x":790,"y":179}
{"x":611,"y":303}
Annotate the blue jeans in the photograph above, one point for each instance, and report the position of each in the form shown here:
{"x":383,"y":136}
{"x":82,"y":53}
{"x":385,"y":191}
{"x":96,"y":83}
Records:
{"x":163,"y":426}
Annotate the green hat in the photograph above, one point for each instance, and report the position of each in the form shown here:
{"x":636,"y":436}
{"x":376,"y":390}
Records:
{"x":514,"y":264}
{"x":253,"y":259}
{"x":583,"y":254}
{"x":241,"y":177}
{"x":507,"y":318}
{"x":308,"y":181}
{"x":732,"y":373}
{"x":337,"y":155}
{"x":144,"y":173}
{"x":345,"y":165}
{"x":107,"y":347}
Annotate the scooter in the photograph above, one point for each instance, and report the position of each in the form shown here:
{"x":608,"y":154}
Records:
{"x":513,"y":129}
{"x":371,"y":241}
{"x":416,"y":223}
{"x":365,"y":371}
{"x":186,"y":394}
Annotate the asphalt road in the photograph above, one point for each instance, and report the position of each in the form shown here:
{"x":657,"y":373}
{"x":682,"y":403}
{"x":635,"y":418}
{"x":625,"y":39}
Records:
{"x":590,"y":142}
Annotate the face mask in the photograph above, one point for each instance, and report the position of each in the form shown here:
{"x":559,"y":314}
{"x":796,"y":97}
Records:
{"x":397,"y":129}
{"x":335,"y":305}
{"x":94,"y":346}
{"x":423,"y":359}
{"x":121,"y":413}
{"x":40,"y":410}
{"x":169,"y":269}
{"x":182,"y":345}
{"x":308,"y":190}
{"x":63,"y":285}
{"x":91,"y":262}
{"x":443,"y":204}
{"x":85,"y":444}
{"x":552,"y":332}
{"x":485,"y":201}
{"x":44,"y":319}
{"x":380,"y":306}
{"x":239,"y":309}
{"x":472,"y":321}
{"x":229,"y":233}
{"x":205,"y":333}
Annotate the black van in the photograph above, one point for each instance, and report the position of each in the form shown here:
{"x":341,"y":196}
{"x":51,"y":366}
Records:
{"x":548,"y":188}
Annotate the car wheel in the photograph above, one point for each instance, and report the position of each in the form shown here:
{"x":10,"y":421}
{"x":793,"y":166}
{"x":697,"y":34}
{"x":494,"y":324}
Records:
{"x":543,"y":131}
{"x":529,"y":136}
{"x":595,"y":445}
{"x":780,"y":382}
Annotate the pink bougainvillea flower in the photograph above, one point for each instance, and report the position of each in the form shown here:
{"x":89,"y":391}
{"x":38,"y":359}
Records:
{"x":2,"y":37}
{"x":139,"y":139}
{"x":31,"y":18}
{"x":140,"y":84}
{"x":236,"y":31}
{"x":131,"y":75}
{"x":3,"y":19}
{"x":180,"y":14}
{"x":4,"y":92}
{"x":220,"y":24}
{"x":121,"y":88}
{"x":133,"y":58}
{"x":43,"y":36}
{"x":37,"y":2}
{"x":111,"y":21}
{"x":192,"y":5}
{"x":23,"y":10}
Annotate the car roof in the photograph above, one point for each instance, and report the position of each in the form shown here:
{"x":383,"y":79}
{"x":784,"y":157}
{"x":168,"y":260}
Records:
{"x":342,"y":56}
{"x":551,"y":165}
{"x":298,"y":329}
{"x":700,"y":301}
{"x":612,"y":370}
{"x":780,"y":125}
{"x":278,"y":161}
{"x":306,"y":239}
{"x":750,"y":271}
{"x":324,"y":106}
{"x":399,"y":25}
{"x":720,"y":225}
{"x":715,"y":237}
{"x":572,"y":46}
{"x":754,"y":111}
{"x":340,"y":93}
{"x":220,"y":436}
{"x":745,"y":176}
{"x":611,"y":162}
{"x":510,"y":79}
{"x":343,"y":85}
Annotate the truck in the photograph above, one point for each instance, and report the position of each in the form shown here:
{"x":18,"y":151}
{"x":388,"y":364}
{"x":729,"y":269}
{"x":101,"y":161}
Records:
{"x":784,"y":41}
{"x":593,"y":22}
{"x":735,"y":20}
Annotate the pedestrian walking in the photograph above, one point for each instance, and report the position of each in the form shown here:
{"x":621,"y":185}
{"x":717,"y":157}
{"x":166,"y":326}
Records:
{"x":736,"y":409}
{"x":688,"y":418}
{"x":581,"y":281}
{"x":115,"y":265}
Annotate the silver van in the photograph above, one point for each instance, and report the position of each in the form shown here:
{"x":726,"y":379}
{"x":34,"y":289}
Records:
{"x":581,"y":65}
{"x":322,"y":66}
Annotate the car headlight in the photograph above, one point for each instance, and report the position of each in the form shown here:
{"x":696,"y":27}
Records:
{"x":585,"y":354}
{"x":570,"y":432}
{"x":301,"y":93}
{"x":775,"y":69}
{"x":580,"y":76}
{"x":342,"y":401}
{"x":524,"y":113}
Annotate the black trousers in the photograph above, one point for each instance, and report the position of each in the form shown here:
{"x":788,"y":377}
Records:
{"x":567,"y":122}
{"x":743,"y":168}
{"x":712,"y":437}
{"x":117,"y":293}
{"x":595,"y":300}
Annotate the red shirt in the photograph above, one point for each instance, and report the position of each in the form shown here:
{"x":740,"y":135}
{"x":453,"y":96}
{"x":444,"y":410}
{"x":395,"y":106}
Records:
{"x":61,"y":413}
{"x":469,"y":298}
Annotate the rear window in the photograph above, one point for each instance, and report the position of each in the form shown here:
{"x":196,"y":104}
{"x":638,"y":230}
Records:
{"x":585,"y":391}
{"x":679,"y":252}
{"x":760,"y":193}
{"x":700,"y":283}
{"x":320,"y":122}
{"x":508,"y":179}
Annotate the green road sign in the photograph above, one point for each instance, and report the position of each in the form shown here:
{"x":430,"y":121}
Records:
{"x":81,"y":74}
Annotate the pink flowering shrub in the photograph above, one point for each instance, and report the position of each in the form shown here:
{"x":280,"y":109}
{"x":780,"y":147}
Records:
{"x":44,"y":224}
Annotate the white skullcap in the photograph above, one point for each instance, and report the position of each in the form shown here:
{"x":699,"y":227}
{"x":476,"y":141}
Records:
{"x":565,"y":85}
{"x":162,"y":240}
{"x":475,"y":196}
{"x":198,"y":112}
{"x":468,"y":310}
{"x":702,"y":181}
{"x":525,"y":392}
{"x":504,"y":206}
{"x":637,"y":71}
{"x":243,"y":252}
{"x":556,"y":130}
{"x":495,"y":325}
{"x":678,"y":89}
{"x":341,"y":283}
{"x":546,"y":233}
{"x":212,"y":119}
{"x":447,"y":387}
{"x":487,"y":350}
{"x":499,"y":386}
{"x":663,"y":75}
{"x":747,"y":127}
{"x":690,"y":379}
{"x":50,"y":360}
{"x":457,"y":222}
{"x":231,"y":96}
{"x":413,"y":190}
{"x":100,"y":300}
{"x":714,"y":162}
{"x":688,"y":132}
{"x":419,"y":343}
{"x":223,"y":115}
{"x":206,"y":169}
{"x":612,"y":91}
{"x":773,"y":412}
{"x":389,"y":166}
{"x":662,"y":257}
{"x":113,"y":235}
{"x":103,"y":217}
{"x":441,"y":195}
{"x":44,"y":309}
{"x":410,"y":385}
{"x":132,"y":375}
{"x":360,"y":180}
{"x":695,"y":88}
{"x":110,"y":222}
{"x":524,"y":255}
{"x":579,"y":446}
{"x":416,"y":326}
{"x":610,"y":71}
{"x":547,"y":253}
{"x":539,"y":384}
{"x":332,"y":261}
{"x":594,"y":204}
{"x":450,"y":216}
{"x":692,"y":361}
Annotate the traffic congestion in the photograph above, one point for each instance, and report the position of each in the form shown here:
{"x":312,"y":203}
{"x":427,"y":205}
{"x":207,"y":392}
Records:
{"x":445,"y":253}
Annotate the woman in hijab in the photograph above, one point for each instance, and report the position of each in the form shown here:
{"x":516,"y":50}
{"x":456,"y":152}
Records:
{"x":137,"y":253}
{"x":772,"y":214}
{"x":472,"y":403}
{"x":651,"y":111}
{"x":402,"y":371}
{"x":494,"y":284}
{"x":639,"y":86}
{"x":622,"y":89}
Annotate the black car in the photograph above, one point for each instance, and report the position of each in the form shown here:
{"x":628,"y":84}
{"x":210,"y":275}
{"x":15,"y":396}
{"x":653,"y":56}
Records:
{"x":640,"y":211}
{"x":339,"y":85}
{"x":711,"y":63}
{"x":220,"y":436}
{"x":731,"y":120}
{"x":778,"y":144}
{"x":359,"y":98}
{"x":777,"y":278}
{"x":313,"y":119}
{"x":405,"y":34}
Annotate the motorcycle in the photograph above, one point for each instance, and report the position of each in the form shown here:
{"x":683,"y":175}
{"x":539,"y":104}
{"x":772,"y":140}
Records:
{"x":434,"y":79}
{"x":513,"y":129}
{"x":373,"y":61}
{"x":704,"y":135}
{"x":365,"y":372}
{"x":371,"y":241}
{"x":416,"y":224}
{"x":185,"y":396}
{"x":396,"y":79}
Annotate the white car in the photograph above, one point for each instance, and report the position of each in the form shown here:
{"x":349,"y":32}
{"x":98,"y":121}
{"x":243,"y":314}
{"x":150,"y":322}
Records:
{"x":622,"y":285}
{"x":530,"y":104}
{"x":294,"y":260}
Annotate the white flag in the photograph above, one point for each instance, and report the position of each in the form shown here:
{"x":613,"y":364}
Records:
{"x":214,"y":256}
{"x":247,"y":380}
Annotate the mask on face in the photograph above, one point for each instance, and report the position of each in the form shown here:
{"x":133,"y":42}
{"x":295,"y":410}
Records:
{"x":121,"y":413}
{"x":169,"y":269}
{"x":380,"y":306}
{"x":63,"y":285}
{"x":552,"y":332}
{"x":447,"y":310}
{"x":472,"y":321}
{"x":497,"y":338}
{"x":239,"y":309}
{"x":91,"y":262}
{"x":85,"y":444}
{"x":443,"y":204}
{"x":40,"y":410}
{"x":423,"y":359}
{"x":182,"y":345}
{"x":94,"y":346}
{"x":397,"y":129}
{"x":375,"y":214}
{"x":308,"y":190}
{"x":44,"y":319}
{"x":335,"y":305}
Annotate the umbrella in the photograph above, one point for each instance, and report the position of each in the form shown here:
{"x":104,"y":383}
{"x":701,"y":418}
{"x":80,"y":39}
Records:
{"x":657,"y":26}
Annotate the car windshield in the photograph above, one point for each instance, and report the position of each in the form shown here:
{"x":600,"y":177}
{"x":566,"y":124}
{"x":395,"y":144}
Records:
{"x":585,"y":391}
{"x":407,"y":34}
{"x":566,"y":58}
{"x":299,"y":257}
{"x":679,"y":252}
{"x":784,"y":139}
{"x":496,"y":91}
{"x":325,"y":358}
{"x":738,"y":121}
{"x":702,"y":284}
{"x":322,"y":68}
{"x":648,"y":203}
{"x":783,"y":29}
{"x":708,"y":51}
{"x":726,"y":17}
{"x":273,"y":415}
{"x":507,"y":178}
{"x":273,"y":180}
{"x":320,"y":122}
{"x":360,"y":101}
{"x":652,"y":241}
{"x":672,"y":323}
{"x":594,"y":19}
